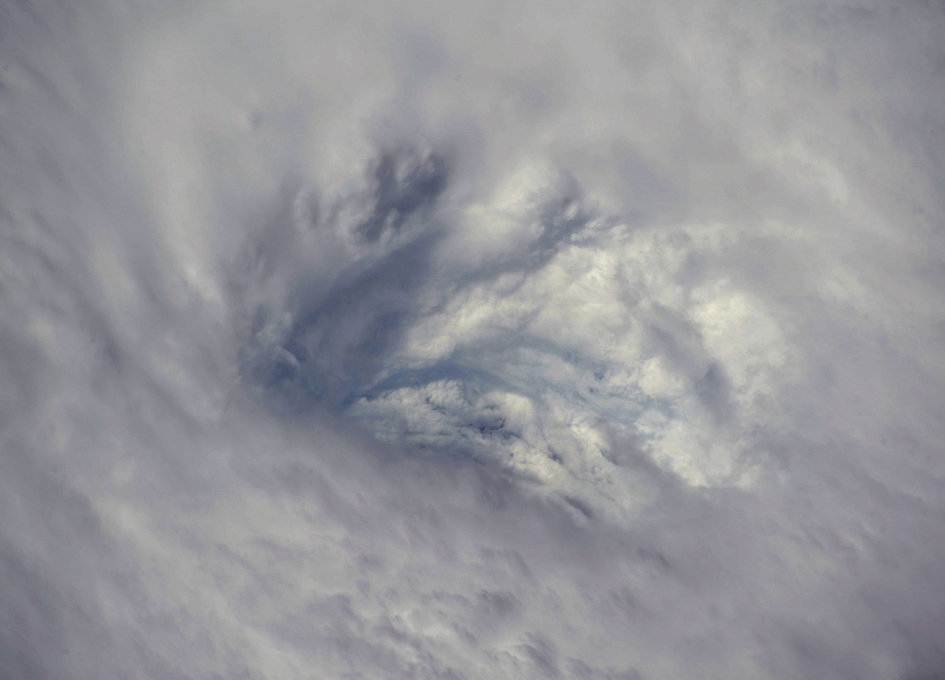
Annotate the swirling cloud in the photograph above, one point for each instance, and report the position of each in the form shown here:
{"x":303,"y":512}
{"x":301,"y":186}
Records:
{"x":461,"y":340}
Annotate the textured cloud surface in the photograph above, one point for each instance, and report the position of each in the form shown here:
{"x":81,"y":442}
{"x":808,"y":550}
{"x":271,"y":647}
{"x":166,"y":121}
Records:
{"x":472,"y":340}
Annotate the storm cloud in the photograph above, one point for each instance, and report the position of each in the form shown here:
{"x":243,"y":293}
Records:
{"x":472,"y":340}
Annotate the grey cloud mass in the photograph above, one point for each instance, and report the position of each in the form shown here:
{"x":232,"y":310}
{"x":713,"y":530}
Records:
{"x":472,"y":340}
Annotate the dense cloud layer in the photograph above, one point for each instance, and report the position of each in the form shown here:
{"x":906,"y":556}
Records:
{"x":470,"y":340}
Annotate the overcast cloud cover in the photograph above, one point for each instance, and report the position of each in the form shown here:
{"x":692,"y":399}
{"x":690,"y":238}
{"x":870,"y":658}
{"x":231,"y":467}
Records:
{"x":472,"y":340}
